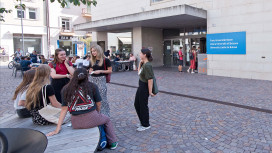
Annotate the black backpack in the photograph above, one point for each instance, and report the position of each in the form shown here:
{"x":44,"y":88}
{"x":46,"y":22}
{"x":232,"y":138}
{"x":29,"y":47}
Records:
{"x":191,"y":56}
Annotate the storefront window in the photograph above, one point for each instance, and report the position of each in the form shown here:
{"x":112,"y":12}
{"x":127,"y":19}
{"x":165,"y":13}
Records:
{"x":67,"y":46}
{"x":30,"y":44}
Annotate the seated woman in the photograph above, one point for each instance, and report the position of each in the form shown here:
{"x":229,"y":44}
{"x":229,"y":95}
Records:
{"x":34,"y":100}
{"x":19,"y":96}
{"x":82,"y":99}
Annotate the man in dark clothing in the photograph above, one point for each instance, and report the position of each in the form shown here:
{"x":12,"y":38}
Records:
{"x":107,"y":53}
{"x":25,"y":64}
{"x":33,"y":56}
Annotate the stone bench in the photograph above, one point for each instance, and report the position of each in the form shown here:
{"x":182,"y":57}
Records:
{"x":69,"y":140}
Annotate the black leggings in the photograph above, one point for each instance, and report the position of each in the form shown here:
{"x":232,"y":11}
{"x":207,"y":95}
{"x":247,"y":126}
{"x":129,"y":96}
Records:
{"x":58,"y":84}
{"x":141,"y":103}
{"x":23,"y":113}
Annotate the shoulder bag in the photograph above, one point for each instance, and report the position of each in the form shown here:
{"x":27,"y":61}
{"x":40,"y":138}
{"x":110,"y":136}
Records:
{"x":50,"y":113}
{"x":155,"y":88}
{"x":108,"y":76}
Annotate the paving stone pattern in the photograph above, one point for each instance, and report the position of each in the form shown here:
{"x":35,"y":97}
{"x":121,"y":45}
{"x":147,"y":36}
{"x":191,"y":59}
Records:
{"x":180,"y":124}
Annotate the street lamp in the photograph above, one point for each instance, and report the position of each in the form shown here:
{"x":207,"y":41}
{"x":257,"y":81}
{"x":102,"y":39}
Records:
{"x":23,"y":44}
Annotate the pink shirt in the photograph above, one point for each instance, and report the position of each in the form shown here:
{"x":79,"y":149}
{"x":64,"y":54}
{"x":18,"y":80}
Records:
{"x":180,"y":55}
{"x":132,"y":58}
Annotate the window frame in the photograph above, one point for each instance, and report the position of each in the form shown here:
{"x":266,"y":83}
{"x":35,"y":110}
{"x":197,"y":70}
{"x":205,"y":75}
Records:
{"x":68,"y":20}
{"x":35,"y":11}
{"x":24,"y":14}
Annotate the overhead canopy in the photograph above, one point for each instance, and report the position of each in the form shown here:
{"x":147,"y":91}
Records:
{"x":181,"y":16}
{"x":125,"y":40}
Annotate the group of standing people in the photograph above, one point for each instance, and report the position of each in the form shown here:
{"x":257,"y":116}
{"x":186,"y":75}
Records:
{"x":192,"y":57}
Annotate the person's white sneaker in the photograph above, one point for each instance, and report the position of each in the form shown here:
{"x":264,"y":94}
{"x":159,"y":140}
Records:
{"x":138,"y":125}
{"x":192,"y":72}
{"x":142,"y":128}
{"x":188,"y":70}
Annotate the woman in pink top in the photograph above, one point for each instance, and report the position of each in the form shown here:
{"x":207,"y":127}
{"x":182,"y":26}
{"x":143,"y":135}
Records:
{"x":61,"y":72}
{"x":180,"y":59}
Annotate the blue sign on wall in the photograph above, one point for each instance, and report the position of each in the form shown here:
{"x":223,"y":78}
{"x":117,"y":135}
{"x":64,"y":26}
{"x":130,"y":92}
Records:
{"x":226,"y":43}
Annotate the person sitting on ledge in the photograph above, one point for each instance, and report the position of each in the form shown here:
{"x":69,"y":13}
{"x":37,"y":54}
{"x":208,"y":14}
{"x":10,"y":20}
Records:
{"x":34,"y":94}
{"x":82,"y":99}
{"x":19,"y":96}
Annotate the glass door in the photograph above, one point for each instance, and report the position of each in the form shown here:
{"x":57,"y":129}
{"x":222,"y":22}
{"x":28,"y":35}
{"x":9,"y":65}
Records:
{"x":167,"y":53}
{"x":176,"y":45}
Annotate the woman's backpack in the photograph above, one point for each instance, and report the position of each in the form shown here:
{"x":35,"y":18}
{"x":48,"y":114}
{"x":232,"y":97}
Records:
{"x":191,"y":56}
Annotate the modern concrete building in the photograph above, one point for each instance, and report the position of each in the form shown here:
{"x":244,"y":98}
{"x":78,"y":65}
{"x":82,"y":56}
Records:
{"x":36,"y":25}
{"x":165,"y":25}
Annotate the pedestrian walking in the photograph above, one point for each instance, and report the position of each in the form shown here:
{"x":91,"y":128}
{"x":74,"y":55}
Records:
{"x":19,"y":96}
{"x":61,"y":72}
{"x":180,"y":54}
{"x":192,"y":56}
{"x":82,"y":99}
{"x":99,"y":68}
{"x":146,"y":76}
{"x":38,"y":89}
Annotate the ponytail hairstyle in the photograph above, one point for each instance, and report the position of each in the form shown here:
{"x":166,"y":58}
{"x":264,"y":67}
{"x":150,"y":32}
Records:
{"x":78,"y":81}
{"x":147,"y":52}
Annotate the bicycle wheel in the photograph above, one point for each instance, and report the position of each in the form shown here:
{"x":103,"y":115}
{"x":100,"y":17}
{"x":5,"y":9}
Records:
{"x":10,"y":65}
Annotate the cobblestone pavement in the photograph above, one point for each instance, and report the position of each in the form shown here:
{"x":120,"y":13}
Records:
{"x":180,"y":124}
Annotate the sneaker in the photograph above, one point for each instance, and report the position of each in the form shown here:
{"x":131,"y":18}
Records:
{"x":188,"y":70}
{"x":143,"y":128}
{"x":138,"y":125}
{"x":192,"y":72}
{"x":114,"y":145}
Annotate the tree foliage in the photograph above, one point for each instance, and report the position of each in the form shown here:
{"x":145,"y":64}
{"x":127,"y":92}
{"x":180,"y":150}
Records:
{"x":63,"y":3}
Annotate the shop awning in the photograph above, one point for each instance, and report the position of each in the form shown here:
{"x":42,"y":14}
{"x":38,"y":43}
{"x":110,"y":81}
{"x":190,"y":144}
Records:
{"x":125,"y":40}
{"x":180,"y":16}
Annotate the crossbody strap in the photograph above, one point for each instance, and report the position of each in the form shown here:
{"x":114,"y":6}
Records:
{"x":44,"y":96}
{"x":105,"y":64}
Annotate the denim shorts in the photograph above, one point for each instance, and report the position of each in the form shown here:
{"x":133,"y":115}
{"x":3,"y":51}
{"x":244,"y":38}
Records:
{"x":181,"y":62}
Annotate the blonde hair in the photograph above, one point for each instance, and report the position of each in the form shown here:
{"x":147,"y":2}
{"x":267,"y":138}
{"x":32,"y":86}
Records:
{"x":41,"y":78}
{"x":100,"y":55}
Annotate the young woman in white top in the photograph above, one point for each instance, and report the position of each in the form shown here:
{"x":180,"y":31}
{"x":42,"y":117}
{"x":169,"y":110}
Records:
{"x":19,"y":96}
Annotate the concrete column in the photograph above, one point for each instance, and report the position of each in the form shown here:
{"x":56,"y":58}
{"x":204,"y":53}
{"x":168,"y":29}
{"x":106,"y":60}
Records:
{"x":101,"y":36}
{"x":152,"y":38}
{"x":137,"y":42}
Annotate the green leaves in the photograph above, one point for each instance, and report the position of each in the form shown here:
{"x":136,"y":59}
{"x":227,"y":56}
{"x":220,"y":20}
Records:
{"x":19,"y":6}
{"x":3,"y":10}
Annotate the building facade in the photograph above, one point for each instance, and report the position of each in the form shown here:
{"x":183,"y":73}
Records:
{"x":165,"y":25}
{"x":36,"y":25}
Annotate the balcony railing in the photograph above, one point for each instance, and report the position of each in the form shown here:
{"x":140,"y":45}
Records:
{"x":66,"y":32}
{"x":85,"y":13}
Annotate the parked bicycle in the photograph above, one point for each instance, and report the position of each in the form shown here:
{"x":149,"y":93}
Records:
{"x":12,"y":63}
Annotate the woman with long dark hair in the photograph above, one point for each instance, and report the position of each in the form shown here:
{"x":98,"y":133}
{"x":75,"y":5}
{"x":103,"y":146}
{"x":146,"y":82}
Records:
{"x":82,"y":99}
{"x":36,"y":90}
{"x":146,"y":75}
{"x":19,"y":96}
{"x":100,"y":67}
{"x":61,"y":71}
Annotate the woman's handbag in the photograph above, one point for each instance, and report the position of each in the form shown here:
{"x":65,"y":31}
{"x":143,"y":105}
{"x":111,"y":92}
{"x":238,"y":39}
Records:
{"x":155,"y":89}
{"x":50,"y":113}
{"x":108,"y":76}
